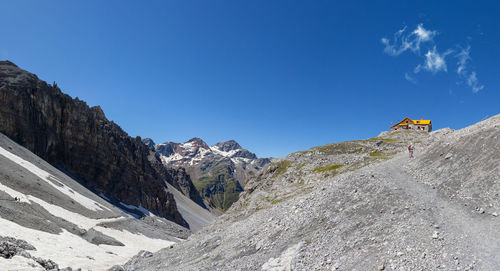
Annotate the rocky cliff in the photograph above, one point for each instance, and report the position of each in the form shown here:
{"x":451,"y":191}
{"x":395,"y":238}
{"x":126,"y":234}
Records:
{"x":78,"y":139}
{"x":219,"y":172}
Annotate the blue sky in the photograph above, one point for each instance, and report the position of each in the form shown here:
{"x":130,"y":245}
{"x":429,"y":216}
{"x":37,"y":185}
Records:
{"x":277,"y":76}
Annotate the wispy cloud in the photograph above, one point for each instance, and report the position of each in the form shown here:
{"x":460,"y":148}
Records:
{"x":473,"y":83}
{"x":410,"y":79}
{"x":470,"y":77}
{"x":403,"y":41}
{"x":463,"y":57}
{"x":423,"y":39}
{"x":434,"y":61}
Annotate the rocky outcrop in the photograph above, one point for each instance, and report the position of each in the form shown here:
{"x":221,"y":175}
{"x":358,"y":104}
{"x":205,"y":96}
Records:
{"x":78,"y":139}
{"x":148,"y":142}
{"x":10,"y":247}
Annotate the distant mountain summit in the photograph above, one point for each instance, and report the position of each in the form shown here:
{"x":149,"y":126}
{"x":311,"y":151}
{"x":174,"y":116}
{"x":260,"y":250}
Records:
{"x":219,"y":172}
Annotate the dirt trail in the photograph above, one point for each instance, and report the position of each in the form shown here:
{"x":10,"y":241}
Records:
{"x":478,"y":233}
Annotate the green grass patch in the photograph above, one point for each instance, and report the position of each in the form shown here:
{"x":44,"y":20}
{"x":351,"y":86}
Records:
{"x":282,"y":167}
{"x":341,"y":148}
{"x":326,"y":168}
{"x":276,"y":201}
{"x":219,"y":188}
{"x":376,"y":154}
{"x":381,"y":155}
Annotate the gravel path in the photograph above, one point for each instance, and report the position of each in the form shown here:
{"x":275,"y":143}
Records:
{"x":479,"y":233}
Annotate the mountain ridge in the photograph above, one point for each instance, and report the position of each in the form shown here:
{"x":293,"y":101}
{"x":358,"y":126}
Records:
{"x":219,"y":171}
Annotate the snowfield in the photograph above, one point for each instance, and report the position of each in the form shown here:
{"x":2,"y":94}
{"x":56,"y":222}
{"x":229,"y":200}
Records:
{"x":73,"y":228}
{"x":74,"y":251}
{"x":44,"y":175}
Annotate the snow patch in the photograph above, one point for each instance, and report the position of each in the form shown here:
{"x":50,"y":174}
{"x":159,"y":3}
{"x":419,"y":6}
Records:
{"x":140,"y":209}
{"x":20,"y":263}
{"x":172,"y":158}
{"x":241,"y":160}
{"x":216,"y":150}
{"x":187,"y":146}
{"x":13,"y":193}
{"x":75,"y":218}
{"x":50,"y":179}
{"x":67,"y":249}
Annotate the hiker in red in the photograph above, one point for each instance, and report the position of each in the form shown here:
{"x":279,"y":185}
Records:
{"x":411,"y":147}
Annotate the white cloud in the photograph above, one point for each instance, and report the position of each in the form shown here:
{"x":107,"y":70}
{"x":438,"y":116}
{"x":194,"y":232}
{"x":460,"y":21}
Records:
{"x":424,"y":34}
{"x":470,"y":77}
{"x":395,"y":49}
{"x":403,"y":42}
{"x":410,"y":79}
{"x":463,"y":57}
{"x":434,"y":61}
{"x":474,"y":83}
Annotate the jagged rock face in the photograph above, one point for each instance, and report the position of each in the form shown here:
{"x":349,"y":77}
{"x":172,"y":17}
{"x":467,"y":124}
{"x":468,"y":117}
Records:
{"x":219,"y":172}
{"x":228,"y":145}
{"x":231,"y":145}
{"x":80,"y":140}
{"x":148,"y":142}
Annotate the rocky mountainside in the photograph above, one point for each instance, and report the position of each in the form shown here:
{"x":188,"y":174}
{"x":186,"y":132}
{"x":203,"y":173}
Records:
{"x":79,"y":140}
{"x":219,"y":172}
{"x":361,"y":205}
{"x":49,"y":221}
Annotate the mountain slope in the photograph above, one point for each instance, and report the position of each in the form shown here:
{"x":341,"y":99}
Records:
{"x":361,"y":205}
{"x":79,"y":140}
{"x":196,"y":216}
{"x":58,"y":221}
{"x":219,"y":172}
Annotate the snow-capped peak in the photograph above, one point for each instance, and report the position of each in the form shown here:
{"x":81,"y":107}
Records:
{"x":216,"y":149}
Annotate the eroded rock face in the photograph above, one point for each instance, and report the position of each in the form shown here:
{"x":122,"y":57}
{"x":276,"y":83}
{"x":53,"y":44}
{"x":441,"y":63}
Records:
{"x":80,"y":140}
